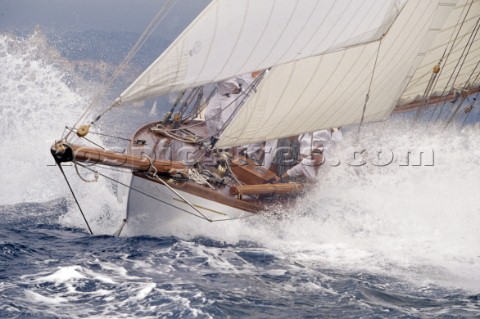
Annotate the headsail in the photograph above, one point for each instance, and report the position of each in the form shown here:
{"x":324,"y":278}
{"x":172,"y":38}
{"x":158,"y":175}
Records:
{"x":330,"y":90}
{"x":232,"y":37}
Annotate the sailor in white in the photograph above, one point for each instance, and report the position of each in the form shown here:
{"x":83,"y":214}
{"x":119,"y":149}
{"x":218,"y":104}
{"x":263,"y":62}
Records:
{"x":309,"y":141}
{"x":308,"y":168}
{"x":222,"y":105}
{"x":323,"y":138}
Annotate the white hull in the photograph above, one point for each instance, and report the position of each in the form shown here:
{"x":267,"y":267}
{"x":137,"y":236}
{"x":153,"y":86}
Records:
{"x":171,"y":215}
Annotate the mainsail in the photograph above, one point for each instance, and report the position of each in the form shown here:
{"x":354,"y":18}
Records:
{"x":232,"y":37}
{"x":342,"y":87}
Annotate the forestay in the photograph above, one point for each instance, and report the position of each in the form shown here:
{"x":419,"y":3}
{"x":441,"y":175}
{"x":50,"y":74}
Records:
{"x":330,"y":90}
{"x":232,"y":37}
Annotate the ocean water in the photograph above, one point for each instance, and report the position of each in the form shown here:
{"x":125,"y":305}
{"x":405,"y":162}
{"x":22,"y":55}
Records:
{"x":373,"y":239}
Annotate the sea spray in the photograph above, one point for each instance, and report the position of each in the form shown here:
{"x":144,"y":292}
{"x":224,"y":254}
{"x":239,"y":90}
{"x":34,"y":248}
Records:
{"x":38,"y":98}
{"x":417,"y":218}
{"x":35,"y":104}
{"x":396,"y":201}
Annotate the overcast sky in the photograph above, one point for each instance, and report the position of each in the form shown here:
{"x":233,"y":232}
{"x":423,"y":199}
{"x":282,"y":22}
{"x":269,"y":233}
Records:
{"x":81,"y":15}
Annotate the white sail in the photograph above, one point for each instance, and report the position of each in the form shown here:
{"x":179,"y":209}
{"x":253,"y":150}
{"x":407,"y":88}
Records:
{"x":330,"y":90}
{"x":232,"y":37}
{"x":458,"y":48}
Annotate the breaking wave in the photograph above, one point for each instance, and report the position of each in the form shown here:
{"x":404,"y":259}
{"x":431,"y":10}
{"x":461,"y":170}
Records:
{"x":38,"y":99}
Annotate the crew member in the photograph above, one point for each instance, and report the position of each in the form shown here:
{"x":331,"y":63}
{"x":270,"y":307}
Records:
{"x":307,"y":169}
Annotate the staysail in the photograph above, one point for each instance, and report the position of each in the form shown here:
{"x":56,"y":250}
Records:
{"x":232,"y":37}
{"x":333,"y":89}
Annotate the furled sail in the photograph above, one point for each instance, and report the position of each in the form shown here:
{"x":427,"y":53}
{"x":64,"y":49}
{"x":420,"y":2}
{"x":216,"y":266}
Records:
{"x":232,"y":37}
{"x":457,"y":51}
{"x":330,"y":90}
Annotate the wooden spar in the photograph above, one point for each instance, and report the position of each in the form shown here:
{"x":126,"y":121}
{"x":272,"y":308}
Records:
{"x":432,"y":100}
{"x":266,"y":189}
{"x":63,"y":152}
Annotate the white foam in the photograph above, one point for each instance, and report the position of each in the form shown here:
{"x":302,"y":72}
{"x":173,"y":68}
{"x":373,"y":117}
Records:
{"x":420,"y":222}
{"x":35,"y":104}
{"x":64,"y":274}
{"x":144,"y":292}
{"x":39,"y":298}
{"x":37,"y":100}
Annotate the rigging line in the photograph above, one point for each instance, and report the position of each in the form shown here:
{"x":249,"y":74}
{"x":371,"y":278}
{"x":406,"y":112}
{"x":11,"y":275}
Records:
{"x":187,"y":103}
{"x":186,"y":138}
{"x":477,"y":77}
{"x":118,"y":170}
{"x":101,"y":134}
{"x":141,"y":192}
{"x":367,"y":96}
{"x":154,"y":174}
{"x":201,"y":122}
{"x":202,"y":105}
{"x":74,"y":197}
{"x":441,"y":60}
{"x":242,"y":98}
{"x":233,"y":218}
{"x":426,"y":94}
{"x":132,"y":53}
{"x":168,"y":115}
{"x":112,"y":136}
{"x":433,"y":80}
{"x":87,"y":139}
{"x":119,"y":231}
{"x":465,"y":120}
{"x":193,"y":110}
{"x":472,"y":73}
{"x":470,"y":42}
{"x":83,"y":178}
{"x":451,"y":50}
{"x":140,"y":42}
{"x":198,"y":103}
{"x":459,"y":104}
{"x":469,"y":111}
{"x":463,"y":59}
{"x":225,"y":156}
{"x":464,"y":95}
{"x":96,"y":144}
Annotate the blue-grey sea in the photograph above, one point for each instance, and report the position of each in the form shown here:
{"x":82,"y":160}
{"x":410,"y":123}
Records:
{"x":383,"y":239}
